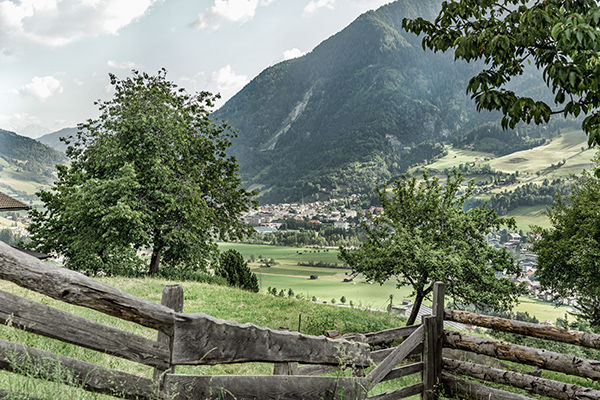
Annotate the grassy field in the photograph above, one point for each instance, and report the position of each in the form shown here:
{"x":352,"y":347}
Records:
{"x":526,"y":216}
{"x":330,"y":286}
{"x":455,"y":157}
{"x":570,"y":146}
{"x":218,"y":301}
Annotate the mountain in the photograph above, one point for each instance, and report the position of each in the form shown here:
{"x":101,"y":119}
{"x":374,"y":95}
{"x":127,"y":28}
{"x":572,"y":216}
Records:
{"x":25,"y":165}
{"x":53,"y":139}
{"x":357,"y":111}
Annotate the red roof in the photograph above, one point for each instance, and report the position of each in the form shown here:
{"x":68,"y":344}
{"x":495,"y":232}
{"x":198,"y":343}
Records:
{"x":7,"y":203}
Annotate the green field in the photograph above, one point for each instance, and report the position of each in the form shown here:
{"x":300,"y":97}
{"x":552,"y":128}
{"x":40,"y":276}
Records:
{"x":455,"y":157}
{"x":570,"y":146}
{"x":526,"y":216}
{"x":329,"y":285}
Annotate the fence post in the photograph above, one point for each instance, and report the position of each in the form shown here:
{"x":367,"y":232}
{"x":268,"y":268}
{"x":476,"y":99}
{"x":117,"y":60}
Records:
{"x":172,"y":297}
{"x":285,"y":368}
{"x":432,"y":344}
{"x":429,"y":350}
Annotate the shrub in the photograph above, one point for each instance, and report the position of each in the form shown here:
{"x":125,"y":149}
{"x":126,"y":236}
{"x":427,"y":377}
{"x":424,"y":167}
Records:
{"x":235,"y":270}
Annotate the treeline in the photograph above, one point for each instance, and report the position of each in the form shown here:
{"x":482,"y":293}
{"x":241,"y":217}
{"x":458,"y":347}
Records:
{"x":304,"y":238}
{"x":527,"y":195}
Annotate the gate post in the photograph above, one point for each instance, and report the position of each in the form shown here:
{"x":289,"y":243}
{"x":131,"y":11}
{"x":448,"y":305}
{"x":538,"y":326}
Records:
{"x":432,"y":344}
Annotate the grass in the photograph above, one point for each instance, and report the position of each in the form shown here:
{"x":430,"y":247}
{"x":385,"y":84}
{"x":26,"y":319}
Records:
{"x":567,"y":147}
{"x":526,"y":216}
{"x":454,"y":158}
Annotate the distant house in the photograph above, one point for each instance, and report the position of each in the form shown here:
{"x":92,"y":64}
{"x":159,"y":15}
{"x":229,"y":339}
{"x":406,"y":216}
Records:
{"x":7,"y":203}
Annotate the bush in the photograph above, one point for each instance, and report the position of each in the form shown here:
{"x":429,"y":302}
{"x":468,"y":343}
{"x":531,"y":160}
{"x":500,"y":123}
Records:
{"x":235,"y":270}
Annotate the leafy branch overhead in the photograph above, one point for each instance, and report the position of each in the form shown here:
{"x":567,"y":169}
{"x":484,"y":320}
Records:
{"x":559,"y":37}
{"x":424,"y":235}
{"x":151,"y":172}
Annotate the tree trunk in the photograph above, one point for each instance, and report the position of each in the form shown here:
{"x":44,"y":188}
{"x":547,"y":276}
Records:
{"x":415,"y":309}
{"x":155,"y":260}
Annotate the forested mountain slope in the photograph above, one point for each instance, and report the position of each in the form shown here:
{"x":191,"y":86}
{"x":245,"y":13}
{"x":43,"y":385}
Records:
{"x":358,"y":110}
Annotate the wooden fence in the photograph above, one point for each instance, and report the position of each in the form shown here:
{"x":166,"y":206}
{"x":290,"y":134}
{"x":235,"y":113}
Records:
{"x":195,"y":339}
{"x":298,"y":359}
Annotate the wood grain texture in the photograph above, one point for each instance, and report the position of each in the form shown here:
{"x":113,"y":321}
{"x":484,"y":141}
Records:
{"x":265,"y":387}
{"x":378,"y":356}
{"x":407,"y":391}
{"x":57,"y":324}
{"x":75,"y":288}
{"x":202,"y":339}
{"x":172,"y":297}
{"x":43,"y":365}
{"x":399,"y":353}
{"x":429,"y":357}
{"x":455,"y":387}
{"x":403,"y":371}
{"x":525,"y":355}
{"x":585,"y":339}
{"x":317,"y":369}
{"x":386,"y":335}
{"x":533,"y":384}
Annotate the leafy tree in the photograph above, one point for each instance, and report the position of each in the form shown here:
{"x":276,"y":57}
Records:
{"x":235,"y":270}
{"x":424,"y":235}
{"x":150,"y":172}
{"x":290,"y":292}
{"x":343,"y":299}
{"x":569,"y":251}
{"x":561,"y":38}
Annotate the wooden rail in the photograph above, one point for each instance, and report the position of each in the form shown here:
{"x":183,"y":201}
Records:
{"x":585,"y":339}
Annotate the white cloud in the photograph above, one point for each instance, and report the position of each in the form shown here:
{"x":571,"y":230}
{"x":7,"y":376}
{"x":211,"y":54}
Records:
{"x":122,"y":64}
{"x":17,"y":121}
{"x":59,"y":22}
{"x":228,"y":82}
{"x":228,"y":11}
{"x":42,"y":88}
{"x":293,"y":53}
{"x":314,"y":5}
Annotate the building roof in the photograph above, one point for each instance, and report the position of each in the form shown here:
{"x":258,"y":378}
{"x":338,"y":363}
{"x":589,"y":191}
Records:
{"x":7,"y":203}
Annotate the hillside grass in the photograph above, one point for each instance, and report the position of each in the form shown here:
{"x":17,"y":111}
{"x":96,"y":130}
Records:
{"x":218,"y":301}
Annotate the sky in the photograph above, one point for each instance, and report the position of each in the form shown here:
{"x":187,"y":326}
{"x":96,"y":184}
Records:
{"x":55,"y":55}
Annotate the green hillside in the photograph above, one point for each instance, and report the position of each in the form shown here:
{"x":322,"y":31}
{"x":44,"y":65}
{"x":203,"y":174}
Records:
{"x":25,"y":165}
{"x":358,"y":110}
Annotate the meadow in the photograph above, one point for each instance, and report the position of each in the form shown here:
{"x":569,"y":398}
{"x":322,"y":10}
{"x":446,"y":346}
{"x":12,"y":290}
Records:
{"x":329,"y":286}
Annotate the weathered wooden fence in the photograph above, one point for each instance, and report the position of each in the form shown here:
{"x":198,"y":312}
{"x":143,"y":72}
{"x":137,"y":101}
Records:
{"x":195,"y":339}
{"x":199,"y":339}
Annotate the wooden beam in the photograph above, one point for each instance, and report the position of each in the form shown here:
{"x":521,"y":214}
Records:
{"x":407,"y":391}
{"x":404,"y":371}
{"x":525,"y":355}
{"x":378,"y":356}
{"x":202,"y":339}
{"x":429,"y":357}
{"x":399,"y":353}
{"x":75,"y":288}
{"x":264,"y":387}
{"x":455,"y":387}
{"x":585,"y":339}
{"x":386,"y":335}
{"x":533,"y":384}
{"x":172,"y":297}
{"x":43,"y":365}
{"x":57,"y":324}
{"x":439,"y":293}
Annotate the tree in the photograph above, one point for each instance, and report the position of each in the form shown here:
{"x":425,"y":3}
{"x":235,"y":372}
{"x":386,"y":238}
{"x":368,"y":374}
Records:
{"x":150,"y":172}
{"x":560,"y":38}
{"x":569,"y":251}
{"x":235,"y":270}
{"x":424,"y":235}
